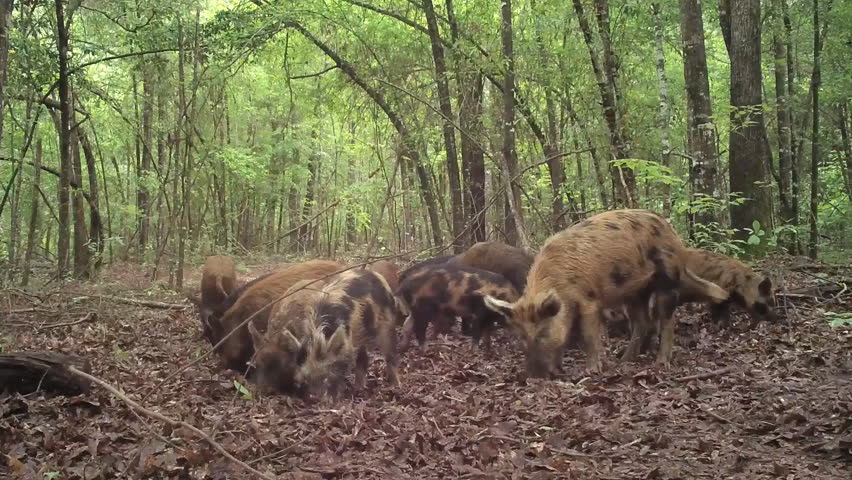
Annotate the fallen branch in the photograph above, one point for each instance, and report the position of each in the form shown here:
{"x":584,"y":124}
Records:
{"x":706,"y":375}
{"x":719,"y":417}
{"x":175,"y":423}
{"x":28,"y":372}
{"x":141,"y":303}
{"x":89,"y":317}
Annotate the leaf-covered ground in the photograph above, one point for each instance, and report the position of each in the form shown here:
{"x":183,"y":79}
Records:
{"x":778,"y":406}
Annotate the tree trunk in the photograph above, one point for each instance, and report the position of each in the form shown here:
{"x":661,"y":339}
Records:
{"x":34,"y":218}
{"x":749,"y":148}
{"x":81,"y":233}
{"x":448,"y":128}
{"x":785,"y":144}
{"x":701,"y":130}
{"x":142,"y":193}
{"x":725,"y":22}
{"x":578,"y":127}
{"x":96,"y":232}
{"x":816,"y":80}
{"x":791,"y":92}
{"x":64,"y":234}
{"x":622,"y":178}
{"x":843,"y":126}
{"x":308,"y":201}
{"x":665,"y":106}
{"x":6,"y":7}
{"x":408,"y":147}
{"x":517,"y":235}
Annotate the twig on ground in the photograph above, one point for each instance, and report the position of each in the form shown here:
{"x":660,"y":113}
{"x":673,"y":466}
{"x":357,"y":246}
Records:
{"x":706,"y":375}
{"x":177,"y":423}
{"x":141,"y":303}
{"x":89,"y":317}
{"x":719,"y":417}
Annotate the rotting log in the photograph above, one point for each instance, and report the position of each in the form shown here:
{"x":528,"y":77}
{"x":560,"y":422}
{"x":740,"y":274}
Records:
{"x":27,"y":372}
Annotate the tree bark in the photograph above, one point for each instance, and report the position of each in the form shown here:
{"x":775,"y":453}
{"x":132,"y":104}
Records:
{"x":701,"y":130}
{"x":96,"y":231}
{"x":81,"y":233}
{"x":34,"y":217}
{"x":64,"y":234}
{"x":794,"y":151}
{"x":409,"y":148}
{"x":749,"y":148}
{"x":843,"y":126}
{"x":517,"y":235}
{"x":449,"y":130}
{"x":665,"y":106}
{"x":816,"y":80}
{"x":622,"y":178}
{"x":785,"y":143}
{"x":725,"y":22}
{"x":143,"y":197}
{"x":6,"y":7}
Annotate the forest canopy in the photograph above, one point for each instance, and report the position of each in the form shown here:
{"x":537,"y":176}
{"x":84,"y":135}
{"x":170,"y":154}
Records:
{"x":159,"y":132}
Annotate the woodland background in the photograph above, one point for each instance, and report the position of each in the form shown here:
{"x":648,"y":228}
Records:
{"x":159,"y":132}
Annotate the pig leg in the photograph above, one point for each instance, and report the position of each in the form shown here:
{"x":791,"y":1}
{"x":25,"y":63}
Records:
{"x":591,"y":330}
{"x":637,"y":315}
{"x":667,"y":322}
{"x":387,"y":344}
{"x":361,"y":364}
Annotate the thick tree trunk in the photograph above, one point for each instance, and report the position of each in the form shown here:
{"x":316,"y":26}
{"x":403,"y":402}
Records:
{"x":701,"y":130}
{"x":34,"y":217}
{"x":448,"y":128}
{"x":749,"y":148}
{"x":81,"y":234}
{"x":517,"y":236}
{"x":665,"y":106}
{"x":785,"y":144}
{"x":725,"y":22}
{"x":64,"y":234}
{"x":816,"y":80}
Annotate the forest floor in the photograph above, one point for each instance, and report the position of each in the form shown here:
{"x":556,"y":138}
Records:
{"x":768,"y":401}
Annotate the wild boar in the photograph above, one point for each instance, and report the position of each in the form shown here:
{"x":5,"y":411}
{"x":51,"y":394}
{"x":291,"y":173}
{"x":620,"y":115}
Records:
{"x":218,"y":281}
{"x":439,"y":293}
{"x":278,"y":352}
{"x":612,"y":260}
{"x":425,"y":263}
{"x":511,"y":262}
{"x":256,"y":301}
{"x":356,"y":309}
{"x":387,"y":269}
{"x":746,"y":288}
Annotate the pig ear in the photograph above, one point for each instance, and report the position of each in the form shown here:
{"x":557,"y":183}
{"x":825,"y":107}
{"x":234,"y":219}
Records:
{"x":765,"y":287}
{"x":549,"y":306}
{"x":500,"y":306}
{"x":337,"y":343}
{"x":256,"y":336}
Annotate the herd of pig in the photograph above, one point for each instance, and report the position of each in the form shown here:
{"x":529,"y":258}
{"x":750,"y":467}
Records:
{"x":301,"y":329}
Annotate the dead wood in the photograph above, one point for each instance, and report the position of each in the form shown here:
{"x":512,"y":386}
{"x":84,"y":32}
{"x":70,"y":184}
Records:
{"x":28,"y":372}
{"x":142,"y":303}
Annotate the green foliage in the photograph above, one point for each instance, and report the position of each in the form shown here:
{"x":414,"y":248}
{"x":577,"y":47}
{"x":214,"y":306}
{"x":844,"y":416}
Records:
{"x":52,"y":475}
{"x":839,"y":319}
{"x":244,"y":392}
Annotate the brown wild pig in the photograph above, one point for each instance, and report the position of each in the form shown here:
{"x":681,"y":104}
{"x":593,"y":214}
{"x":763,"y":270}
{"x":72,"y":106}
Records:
{"x":425,"y":263}
{"x":388,"y":270}
{"x":511,"y":262}
{"x":278,"y":352}
{"x":256,"y":302}
{"x":438,"y":293}
{"x":218,"y":281}
{"x":746,"y":288}
{"x":608,"y":261}
{"x":356,"y":309}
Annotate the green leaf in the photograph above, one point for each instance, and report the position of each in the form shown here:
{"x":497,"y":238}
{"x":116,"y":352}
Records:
{"x":754,"y":240}
{"x":243,"y":390}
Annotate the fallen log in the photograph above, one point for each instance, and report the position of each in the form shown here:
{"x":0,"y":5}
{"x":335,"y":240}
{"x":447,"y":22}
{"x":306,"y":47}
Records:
{"x":141,"y":303}
{"x":28,"y":372}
